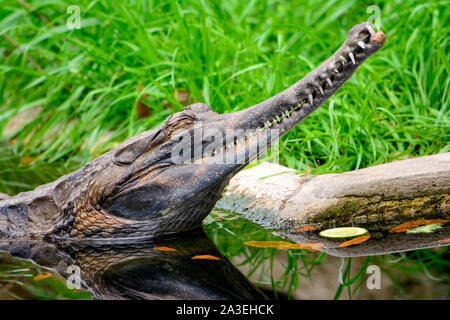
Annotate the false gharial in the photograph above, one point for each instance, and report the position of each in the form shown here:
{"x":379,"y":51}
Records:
{"x":142,"y":189}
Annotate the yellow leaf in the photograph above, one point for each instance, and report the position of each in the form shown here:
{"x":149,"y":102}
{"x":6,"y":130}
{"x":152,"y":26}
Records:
{"x":268,"y":244}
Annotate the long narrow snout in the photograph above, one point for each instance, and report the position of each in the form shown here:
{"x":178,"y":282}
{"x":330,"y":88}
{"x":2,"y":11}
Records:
{"x":291,"y":106}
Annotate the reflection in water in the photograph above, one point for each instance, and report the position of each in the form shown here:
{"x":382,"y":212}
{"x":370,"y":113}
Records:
{"x":124,"y":270}
{"x":381,"y":241}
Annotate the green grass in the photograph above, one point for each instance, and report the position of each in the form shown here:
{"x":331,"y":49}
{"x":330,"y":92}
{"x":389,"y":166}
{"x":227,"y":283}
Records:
{"x":230,"y":54}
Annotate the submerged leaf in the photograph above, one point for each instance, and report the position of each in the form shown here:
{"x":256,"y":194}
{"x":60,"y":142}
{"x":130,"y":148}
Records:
{"x":165,"y":249}
{"x":354,"y":241}
{"x":413,"y":224}
{"x":205,"y":257}
{"x":284,"y":245}
{"x":312,"y":246}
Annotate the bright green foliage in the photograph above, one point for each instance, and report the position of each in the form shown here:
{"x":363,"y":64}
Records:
{"x":230,"y":54}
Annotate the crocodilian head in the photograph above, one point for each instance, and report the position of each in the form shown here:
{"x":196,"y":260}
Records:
{"x":168,"y":179}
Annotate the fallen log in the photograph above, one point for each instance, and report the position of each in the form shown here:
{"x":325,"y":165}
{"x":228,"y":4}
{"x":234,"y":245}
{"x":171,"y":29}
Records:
{"x":275,"y":197}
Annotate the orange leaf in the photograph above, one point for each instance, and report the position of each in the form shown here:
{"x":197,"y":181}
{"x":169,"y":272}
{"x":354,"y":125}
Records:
{"x":444,"y":240}
{"x":414,"y":224}
{"x":43,"y":276}
{"x":308,"y":228}
{"x":205,"y":257}
{"x":354,"y":241}
{"x":165,"y":249}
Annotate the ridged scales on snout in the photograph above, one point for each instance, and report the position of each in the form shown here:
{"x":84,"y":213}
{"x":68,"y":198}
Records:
{"x":139,"y":190}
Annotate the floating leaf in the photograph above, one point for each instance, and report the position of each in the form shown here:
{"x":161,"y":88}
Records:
{"x":444,"y":240}
{"x":426,"y":229}
{"x":284,"y":245}
{"x":165,"y":249}
{"x":343,"y":232}
{"x":42,"y":276}
{"x":413,"y":224}
{"x":354,"y":241}
{"x":205,"y":257}
{"x":308,"y":228}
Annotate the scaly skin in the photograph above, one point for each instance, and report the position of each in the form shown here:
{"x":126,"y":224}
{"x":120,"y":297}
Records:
{"x":139,"y":190}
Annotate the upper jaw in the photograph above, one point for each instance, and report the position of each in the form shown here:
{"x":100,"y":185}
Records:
{"x":285,"y":110}
{"x":271,"y":119}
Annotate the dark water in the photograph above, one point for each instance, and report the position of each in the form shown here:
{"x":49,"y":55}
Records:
{"x":225,"y":267}
{"x":386,"y":266}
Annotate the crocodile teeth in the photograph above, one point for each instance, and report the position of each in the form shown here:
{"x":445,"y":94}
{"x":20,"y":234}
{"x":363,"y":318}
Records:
{"x":352,"y":57}
{"x":310,"y":98}
{"x":343,"y":59}
{"x":336,"y":70}
{"x":287,"y":114}
{"x":361,"y":44}
{"x":369,"y":28}
{"x":321,"y":90}
{"x":329,"y":82}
